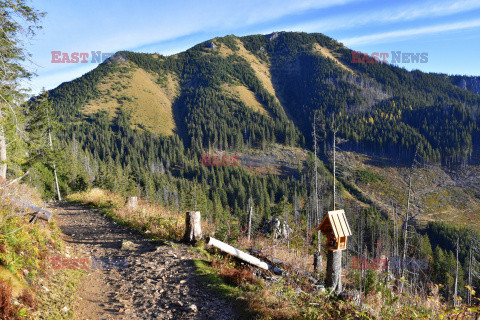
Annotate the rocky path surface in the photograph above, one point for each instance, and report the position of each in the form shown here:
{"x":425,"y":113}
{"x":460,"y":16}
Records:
{"x":140,"y":279}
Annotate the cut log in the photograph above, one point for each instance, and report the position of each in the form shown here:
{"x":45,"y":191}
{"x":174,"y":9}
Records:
{"x":241,"y":255}
{"x":132,"y":202}
{"x":36,"y":211}
{"x":193,"y":227}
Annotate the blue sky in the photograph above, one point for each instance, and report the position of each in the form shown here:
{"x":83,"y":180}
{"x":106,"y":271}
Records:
{"x":449,"y":31}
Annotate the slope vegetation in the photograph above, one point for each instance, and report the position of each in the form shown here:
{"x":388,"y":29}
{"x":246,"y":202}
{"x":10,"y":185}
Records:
{"x":149,"y":100}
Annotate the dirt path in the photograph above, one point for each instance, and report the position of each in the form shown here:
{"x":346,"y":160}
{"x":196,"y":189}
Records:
{"x":142,"y":280}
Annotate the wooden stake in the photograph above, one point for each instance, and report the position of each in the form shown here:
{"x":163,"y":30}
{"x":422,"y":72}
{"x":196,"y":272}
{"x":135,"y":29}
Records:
{"x":334,"y":270}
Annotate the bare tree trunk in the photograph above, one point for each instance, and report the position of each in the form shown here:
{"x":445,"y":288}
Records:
{"x":54,"y":168}
{"x":317,"y":261}
{"x":3,"y":153}
{"x":405,"y":234}
{"x":455,"y":291}
{"x":334,"y":169}
{"x":470,"y":260}
{"x":250,"y":212}
{"x":334,"y":270}
{"x":317,"y":218}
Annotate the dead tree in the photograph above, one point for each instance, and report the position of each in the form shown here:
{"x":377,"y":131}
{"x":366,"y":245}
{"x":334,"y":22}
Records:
{"x":54,"y":166}
{"x":455,"y":292}
{"x":470,"y":261}
{"x":3,"y":152}
{"x":250,"y":213}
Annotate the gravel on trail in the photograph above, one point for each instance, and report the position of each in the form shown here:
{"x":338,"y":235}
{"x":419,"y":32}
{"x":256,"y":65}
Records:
{"x":132,"y":277}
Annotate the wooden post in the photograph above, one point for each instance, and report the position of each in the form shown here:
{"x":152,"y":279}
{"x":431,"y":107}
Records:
{"x":334,"y":270}
{"x":193,"y":227}
{"x":132,"y":202}
{"x":335,"y":227}
{"x":3,"y":153}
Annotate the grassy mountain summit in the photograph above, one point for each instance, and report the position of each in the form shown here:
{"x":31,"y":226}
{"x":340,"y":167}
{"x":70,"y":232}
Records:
{"x":260,"y":89}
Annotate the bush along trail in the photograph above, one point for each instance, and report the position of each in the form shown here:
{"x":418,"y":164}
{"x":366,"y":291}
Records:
{"x":130,"y":276}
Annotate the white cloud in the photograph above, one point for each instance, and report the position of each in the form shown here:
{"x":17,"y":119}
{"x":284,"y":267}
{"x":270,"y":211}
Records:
{"x":400,"y":14}
{"x":403,"y":34}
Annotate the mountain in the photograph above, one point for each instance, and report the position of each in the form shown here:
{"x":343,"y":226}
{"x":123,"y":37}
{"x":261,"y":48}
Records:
{"x":228,"y":125}
{"x":144,"y":121}
{"x":259,"y":89}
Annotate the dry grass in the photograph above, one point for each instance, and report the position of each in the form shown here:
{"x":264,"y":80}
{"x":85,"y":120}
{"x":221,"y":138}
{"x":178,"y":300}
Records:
{"x":327,"y":53}
{"x":98,"y":198}
{"x":246,"y":96}
{"x":136,"y":90}
{"x":262,"y":69}
{"x":9,"y":192}
{"x":148,"y":217}
{"x":297,"y":257}
{"x":231,"y":275}
{"x":24,"y":259}
{"x":7,"y":311}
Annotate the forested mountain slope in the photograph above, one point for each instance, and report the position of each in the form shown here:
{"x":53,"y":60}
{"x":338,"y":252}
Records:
{"x":141,"y":122}
{"x":233,"y":92}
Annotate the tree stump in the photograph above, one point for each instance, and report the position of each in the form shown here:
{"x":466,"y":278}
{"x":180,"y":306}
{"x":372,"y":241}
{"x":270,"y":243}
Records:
{"x":334,"y":270}
{"x":193,"y":227}
{"x":132,"y":202}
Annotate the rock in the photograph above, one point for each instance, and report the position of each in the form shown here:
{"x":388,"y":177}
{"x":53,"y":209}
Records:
{"x":127,"y":245}
{"x":279,"y":228}
{"x":179,"y":303}
{"x":65,"y":309}
{"x":192,"y":308}
{"x":183,"y":281}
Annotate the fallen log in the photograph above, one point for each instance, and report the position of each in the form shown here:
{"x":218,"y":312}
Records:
{"x":241,"y":255}
{"x":33,"y":210}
